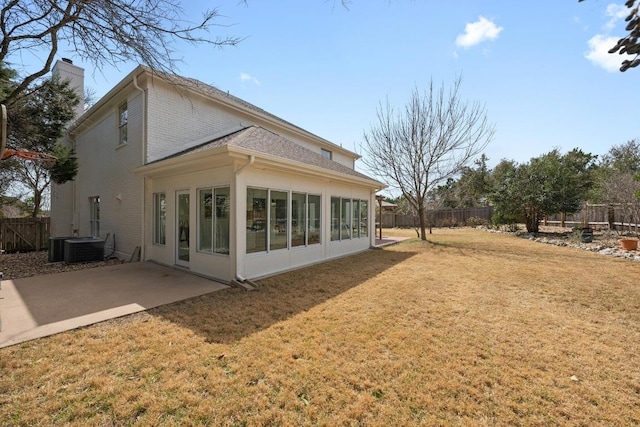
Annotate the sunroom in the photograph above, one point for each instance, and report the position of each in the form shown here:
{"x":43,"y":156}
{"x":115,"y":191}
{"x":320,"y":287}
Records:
{"x":237,"y":210}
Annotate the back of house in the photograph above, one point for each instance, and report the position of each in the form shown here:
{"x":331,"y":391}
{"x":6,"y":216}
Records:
{"x":178,"y":172}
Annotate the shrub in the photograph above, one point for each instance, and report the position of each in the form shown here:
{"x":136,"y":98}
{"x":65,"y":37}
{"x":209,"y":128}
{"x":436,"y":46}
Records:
{"x":475,"y":221}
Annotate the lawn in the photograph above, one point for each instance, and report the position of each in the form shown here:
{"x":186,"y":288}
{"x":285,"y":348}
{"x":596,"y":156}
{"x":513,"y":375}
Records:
{"x":469,"y":328}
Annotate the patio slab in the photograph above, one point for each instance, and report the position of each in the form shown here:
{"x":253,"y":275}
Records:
{"x":40,"y":306}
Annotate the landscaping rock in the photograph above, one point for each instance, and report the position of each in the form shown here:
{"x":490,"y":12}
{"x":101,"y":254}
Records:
{"x":604,"y":242}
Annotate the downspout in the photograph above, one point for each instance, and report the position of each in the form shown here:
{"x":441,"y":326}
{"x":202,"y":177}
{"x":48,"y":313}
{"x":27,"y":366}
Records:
{"x":144,"y":160}
{"x":252,"y":159}
{"x":239,"y":257}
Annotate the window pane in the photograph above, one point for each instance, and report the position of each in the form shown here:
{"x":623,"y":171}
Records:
{"x":256,"y":220}
{"x":223,"y":203}
{"x":345,"y":223}
{"x":298,"y":219}
{"x":314,"y":220}
{"x":355,"y":223}
{"x":335,"y":218}
{"x":364,"y":218}
{"x":278,"y":219}
{"x":94,"y":216}
{"x":123,"y":120}
{"x":160,"y":215}
{"x":205,"y":221}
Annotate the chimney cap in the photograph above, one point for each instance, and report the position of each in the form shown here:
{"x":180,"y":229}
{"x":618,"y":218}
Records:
{"x":67,"y":60}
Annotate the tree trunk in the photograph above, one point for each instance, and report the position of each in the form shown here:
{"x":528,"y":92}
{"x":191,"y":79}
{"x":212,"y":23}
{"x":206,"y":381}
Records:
{"x":531,"y":220}
{"x":37,"y":200}
{"x":423,"y":225}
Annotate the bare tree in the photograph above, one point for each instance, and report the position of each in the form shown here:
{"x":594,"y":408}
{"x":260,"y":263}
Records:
{"x":102,"y":32}
{"x":426,"y":143}
{"x":620,"y":189}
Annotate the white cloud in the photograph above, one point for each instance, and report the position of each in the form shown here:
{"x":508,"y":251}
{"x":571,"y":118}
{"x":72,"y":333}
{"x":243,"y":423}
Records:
{"x":249,"y":78}
{"x":615,"y":12}
{"x":477,"y":32}
{"x":599,"y":55}
{"x":600,"y":44}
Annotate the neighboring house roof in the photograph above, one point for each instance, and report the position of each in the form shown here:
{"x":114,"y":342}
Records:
{"x":262,"y":141}
{"x":388,"y":205}
{"x":10,"y":211}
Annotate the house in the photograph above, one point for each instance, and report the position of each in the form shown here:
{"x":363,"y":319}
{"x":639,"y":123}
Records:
{"x":190,"y":176}
{"x":388,"y":207}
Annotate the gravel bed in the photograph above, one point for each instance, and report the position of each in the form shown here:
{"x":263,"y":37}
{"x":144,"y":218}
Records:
{"x":26,"y":264}
{"x":605,"y":242}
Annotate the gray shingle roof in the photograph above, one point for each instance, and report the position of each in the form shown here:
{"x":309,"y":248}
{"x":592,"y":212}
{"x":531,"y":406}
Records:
{"x":260,"y":140}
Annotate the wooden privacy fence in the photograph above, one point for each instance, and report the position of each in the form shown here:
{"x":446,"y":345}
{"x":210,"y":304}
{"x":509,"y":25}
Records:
{"x":615,"y":217}
{"x":24,"y":234}
{"x":439,"y":218}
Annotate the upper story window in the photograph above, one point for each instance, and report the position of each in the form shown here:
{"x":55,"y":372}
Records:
{"x":123,"y":120}
{"x":326,"y":154}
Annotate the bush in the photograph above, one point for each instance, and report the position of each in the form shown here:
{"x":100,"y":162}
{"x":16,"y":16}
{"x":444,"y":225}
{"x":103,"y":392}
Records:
{"x":475,"y":221}
{"x":509,"y":228}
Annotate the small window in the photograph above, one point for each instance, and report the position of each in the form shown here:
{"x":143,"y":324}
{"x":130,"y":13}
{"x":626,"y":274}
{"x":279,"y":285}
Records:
{"x":305,"y":219}
{"x":364,"y":218}
{"x":355,"y":222}
{"x":314,"y":219}
{"x":256,"y":220}
{"x":335,"y":218}
{"x":159,"y":218}
{"x":94,"y":216}
{"x":123,"y":120}
{"x":213,"y":220}
{"x":345,"y":222}
{"x":298,"y":219}
{"x":326,"y":154}
{"x":278,"y":220}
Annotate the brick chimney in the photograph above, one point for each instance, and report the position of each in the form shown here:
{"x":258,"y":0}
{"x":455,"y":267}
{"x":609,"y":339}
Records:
{"x":65,"y":70}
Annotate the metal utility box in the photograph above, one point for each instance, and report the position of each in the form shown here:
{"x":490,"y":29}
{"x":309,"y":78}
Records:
{"x":86,"y":249}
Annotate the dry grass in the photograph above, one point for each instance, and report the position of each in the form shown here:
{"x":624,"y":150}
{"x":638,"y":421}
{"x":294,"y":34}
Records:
{"x":470,"y":328}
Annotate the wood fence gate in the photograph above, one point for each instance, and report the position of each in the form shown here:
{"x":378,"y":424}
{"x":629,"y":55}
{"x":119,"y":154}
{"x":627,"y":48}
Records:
{"x":24,"y":234}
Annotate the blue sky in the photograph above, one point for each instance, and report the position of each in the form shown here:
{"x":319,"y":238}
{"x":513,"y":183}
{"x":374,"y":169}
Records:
{"x":538,"y":66}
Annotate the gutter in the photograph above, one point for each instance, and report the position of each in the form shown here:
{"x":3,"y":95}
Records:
{"x":143,"y":161}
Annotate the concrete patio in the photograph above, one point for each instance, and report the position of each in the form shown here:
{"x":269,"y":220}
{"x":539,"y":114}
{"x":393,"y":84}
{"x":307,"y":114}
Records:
{"x":40,"y":306}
